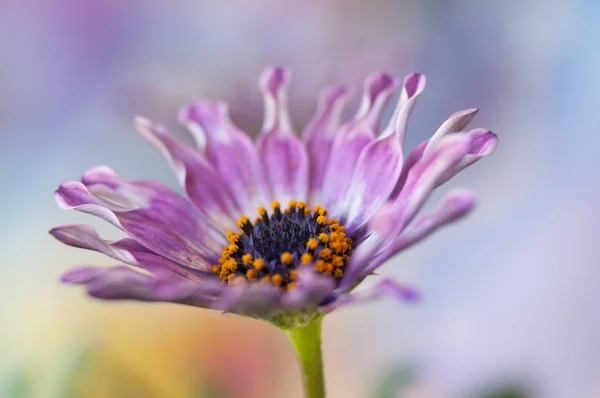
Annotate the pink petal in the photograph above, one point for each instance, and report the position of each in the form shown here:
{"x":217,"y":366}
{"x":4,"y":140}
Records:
{"x":203,"y":184}
{"x":229,"y":150}
{"x":284,"y":156}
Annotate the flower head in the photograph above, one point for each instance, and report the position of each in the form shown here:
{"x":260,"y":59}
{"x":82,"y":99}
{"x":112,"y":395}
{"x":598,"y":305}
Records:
{"x":283,"y":229}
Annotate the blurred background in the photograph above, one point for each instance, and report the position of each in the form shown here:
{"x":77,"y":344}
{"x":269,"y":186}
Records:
{"x":510,"y":297}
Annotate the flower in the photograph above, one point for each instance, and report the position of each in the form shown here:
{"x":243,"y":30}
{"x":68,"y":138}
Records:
{"x":349,"y":200}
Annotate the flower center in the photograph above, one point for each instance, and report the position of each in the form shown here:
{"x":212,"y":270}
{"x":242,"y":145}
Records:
{"x":274,"y":247}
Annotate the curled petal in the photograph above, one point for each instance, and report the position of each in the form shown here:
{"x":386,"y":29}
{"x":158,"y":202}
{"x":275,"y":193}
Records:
{"x":126,"y":250}
{"x":319,"y":135}
{"x":229,"y":150}
{"x":352,"y":138}
{"x":412,"y":87}
{"x":284,"y":156}
{"x":482,"y":143}
{"x":387,"y":287}
{"x":150,"y":213}
{"x":75,"y":195}
{"x":458,"y":121}
{"x":421,"y":180}
{"x":123,"y":283}
{"x":202,"y":182}
{"x":273,"y":83}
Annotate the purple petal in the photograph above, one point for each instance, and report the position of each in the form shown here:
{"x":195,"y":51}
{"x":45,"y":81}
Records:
{"x":453,"y":206}
{"x":457,"y":122}
{"x":483,"y":143}
{"x":421,"y":180}
{"x":387,"y":287}
{"x":374,"y":179}
{"x":123,"y":283}
{"x":126,"y":250}
{"x":229,"y":150}
{"x":251,"y":299}
{"x":362,"y":256}
{"x":412,"y":87}
{"x":319,"y":135}
{"x":203,"y":184}
{"x":284,"y":156}
{"x":150,"y":213}
{"x":351,"y":139}
{"x":312,"y":289}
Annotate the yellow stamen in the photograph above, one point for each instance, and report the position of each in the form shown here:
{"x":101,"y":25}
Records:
{"x":325,"y":254}
{"x":262,"y":211}
{"x":247,"y":258}
{"x":293,"y":274}
{"x":320,"y":266}
{"x":324,"y":238}
{"x":232,"y":237}
{"x":243,"y":221}
{"x":338,"y":273}
{"x":275,"y":204}
{"x":291,"y":285}
{"x":312,"y":244}
{"x":337,"y":261}
{"x":322,"y":220}
{"x":251,"y":274}
{"x":277,"y":279}
{"x":258,"y":264}
{"x":292,"y":204}
{"x":287,"y":258}
{"x":306,"y":258}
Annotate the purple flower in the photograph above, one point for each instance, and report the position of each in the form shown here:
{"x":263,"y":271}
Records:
{"x":353,"y":201}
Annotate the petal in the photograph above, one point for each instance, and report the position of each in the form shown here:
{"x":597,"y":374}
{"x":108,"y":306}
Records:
{"x":123,"y":283}
{"x":202,"y":182}
{"x":312,"y":289}
{"x":351,"y":139}
{"x":421,"y":180}
{"x":457,"y":122}
{"x":126,"y":250}
{"x":148,"y":212}
{"x":380,"y":163}
{"x":483,"y":143}
{"x":319,"y":135}
{"x":362,"y":256}
{"x":284,"y":156}
{"x":250,"y":299}
{"x":453,"y":206}
{"x":387,"y":287}
{"x":229,"y":150}
{"x":377,"y":171}
{"x":412,"y":87}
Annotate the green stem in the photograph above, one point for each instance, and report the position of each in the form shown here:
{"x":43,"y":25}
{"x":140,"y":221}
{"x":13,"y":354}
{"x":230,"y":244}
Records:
{"x":307,"y":342}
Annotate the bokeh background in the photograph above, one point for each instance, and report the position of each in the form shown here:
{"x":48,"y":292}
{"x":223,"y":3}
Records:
{"x":511,"y":296}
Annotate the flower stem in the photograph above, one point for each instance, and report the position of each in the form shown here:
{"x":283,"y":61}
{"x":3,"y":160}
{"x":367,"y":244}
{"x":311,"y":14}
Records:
{"x":307,"y":342}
